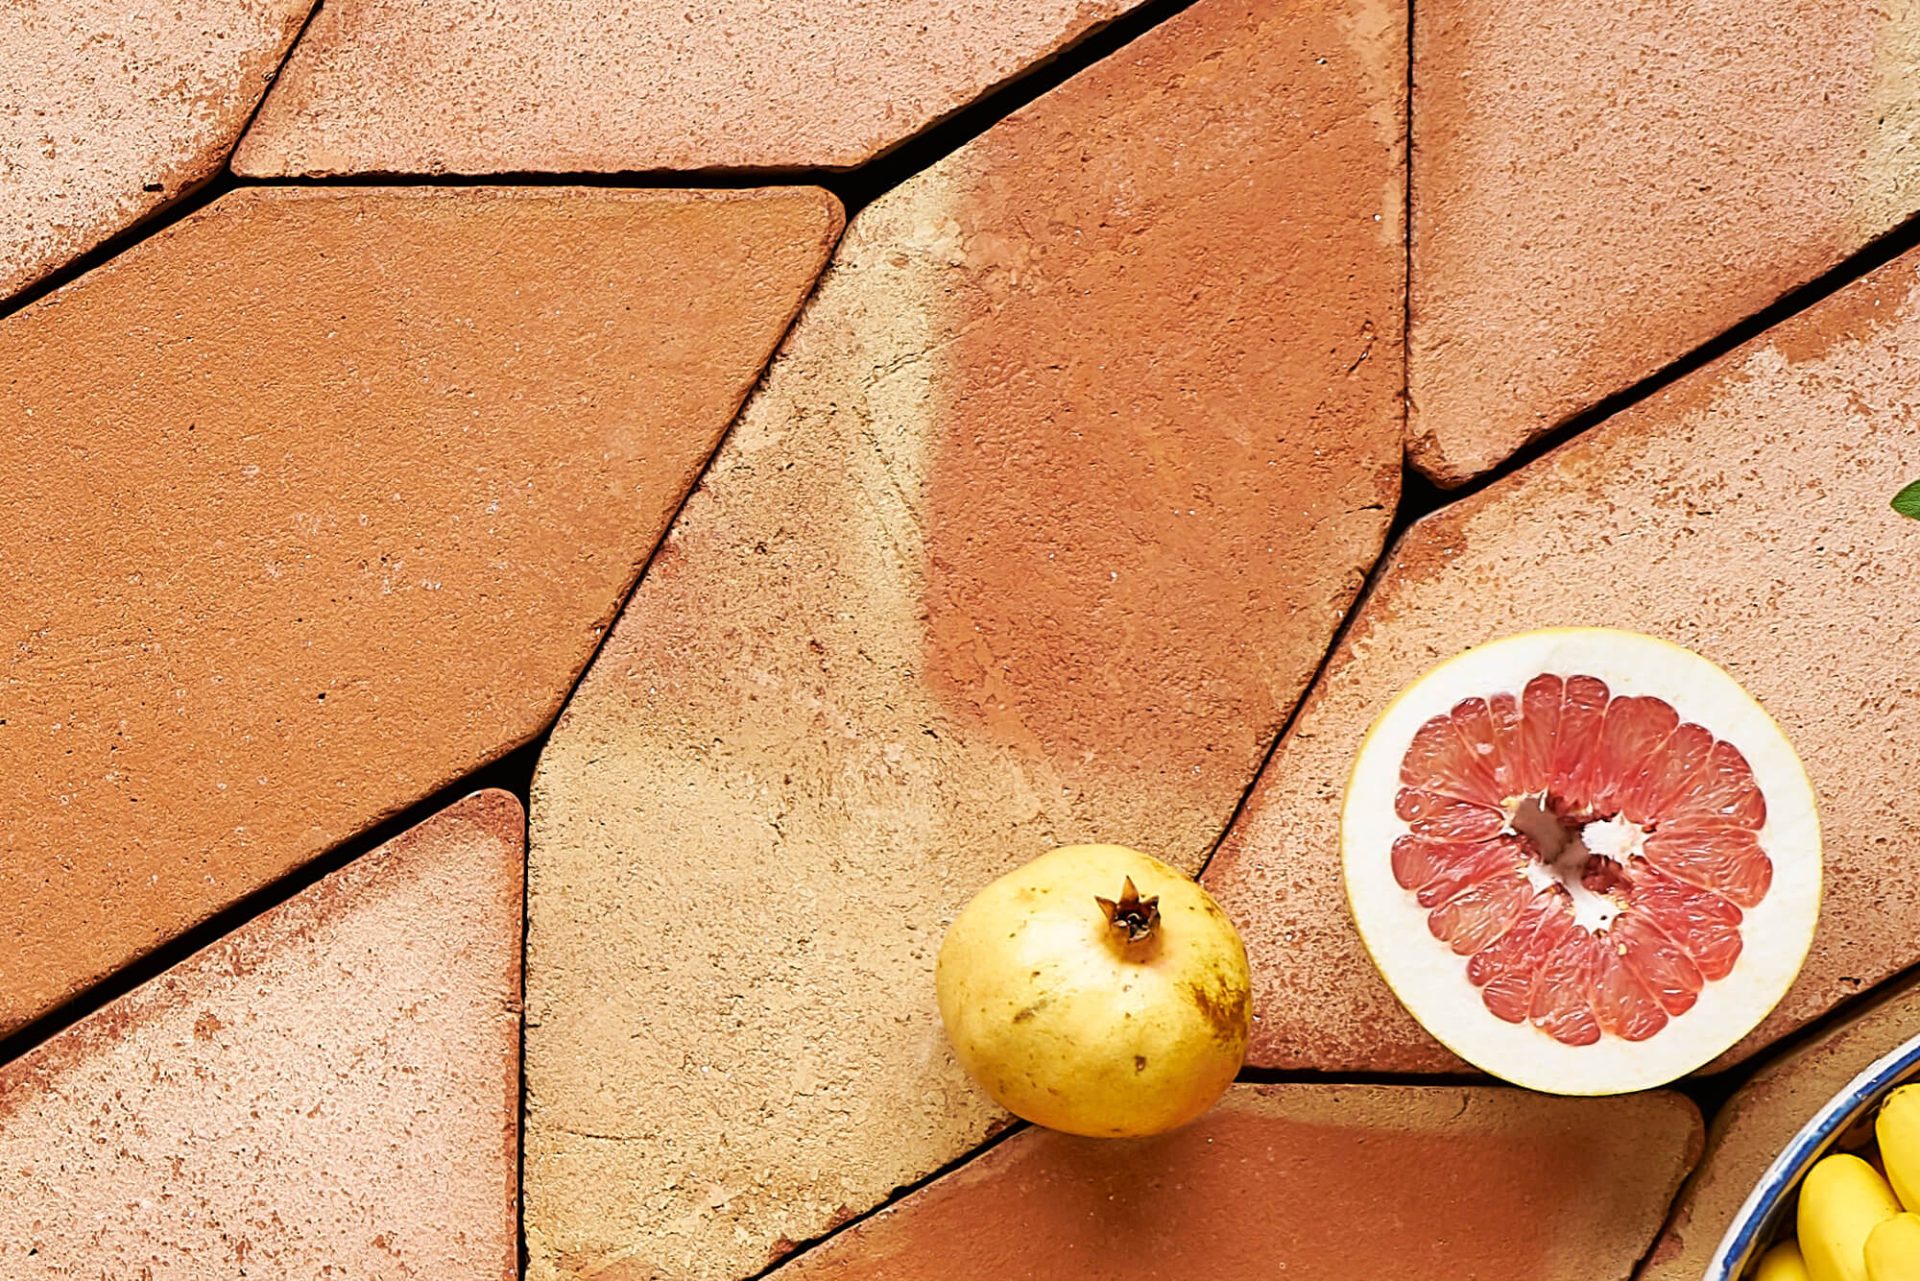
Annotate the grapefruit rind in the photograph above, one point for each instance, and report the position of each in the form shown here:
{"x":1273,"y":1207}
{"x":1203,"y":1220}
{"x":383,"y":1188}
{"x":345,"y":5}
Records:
{"x":1430,"y":980}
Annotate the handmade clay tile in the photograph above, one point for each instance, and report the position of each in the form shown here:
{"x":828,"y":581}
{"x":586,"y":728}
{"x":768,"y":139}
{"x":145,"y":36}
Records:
{"x":329,"y":1091}
{"x":110,"y":109}
{"x":1755,"y":1125}
{"x":317,"y":501}
{"x":1040,"y":523}
{"x":390,"y":86}
{"x":1742,"y":512}
{"x":1599,"y":188}
{"x":1307,"y":1182}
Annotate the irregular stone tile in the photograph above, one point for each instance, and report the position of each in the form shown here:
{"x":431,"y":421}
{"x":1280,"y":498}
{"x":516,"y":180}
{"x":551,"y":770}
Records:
{"x":328,"y":1091}
{"x":390,"y":86}
{"x":317,"y":501}
{"x":110,"y":109}
{"x":1755,"y":1125}
{"x":1602,"y":187}
{"x":1318,"y":1183}
{"x":1743,"y":512}
{"x":1040,"y":523}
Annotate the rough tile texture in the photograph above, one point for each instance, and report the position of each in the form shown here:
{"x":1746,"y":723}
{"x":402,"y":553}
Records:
{"x":1601,"y":187}
{"x":1743,"y":513}
{"x":1041,"y":522}
{"x":318,"y":500}
{"x":327,"y":1092}
{"x":111,"y":108}
{"x":1306,"y":1182}
{"x":1752,"y":1128}
{"x":468,"y":86}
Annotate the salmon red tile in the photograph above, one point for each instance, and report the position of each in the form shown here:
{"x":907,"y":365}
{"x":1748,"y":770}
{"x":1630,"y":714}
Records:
{"x":330,"y":1089}
{"x":112,"y":109}
{"x":579,"y":86}
{"x":1039,"y":524}
{"x":1600,"y":188}
{"x":1742,"y":513}
{"x":319,"y":500}
{"x":1319,"y":1183}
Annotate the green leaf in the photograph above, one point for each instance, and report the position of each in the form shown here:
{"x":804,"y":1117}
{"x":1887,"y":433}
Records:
{"x":1907,"y":501}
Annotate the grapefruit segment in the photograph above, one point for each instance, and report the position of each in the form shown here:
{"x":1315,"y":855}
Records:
{"x":1621,"y":1002}
{"x":1632,"y":746}
{"x":1726,"y":860}
{"x":1723,"y":789}
{"x":1561,"y":1006}
{"x":1661,"y":964}
{"x":1462,"y":865}
{"x":1447,"y":818}
{"x":1613,"y":850}
{"x":1479,"y":914}
{"x":1581,"y":713}
{"x":1540,"y":705}
{"x":1442,"y":761}
{"x":1706,"y":926}
{"x":1505,"y":969}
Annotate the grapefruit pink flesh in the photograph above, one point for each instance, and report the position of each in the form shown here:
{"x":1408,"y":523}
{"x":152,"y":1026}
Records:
{"x":1592,"y":853}
{"x":1632,"y":806}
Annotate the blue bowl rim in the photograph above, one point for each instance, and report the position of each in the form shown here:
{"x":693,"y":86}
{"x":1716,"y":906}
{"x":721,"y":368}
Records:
{"x":1758,"y":1213}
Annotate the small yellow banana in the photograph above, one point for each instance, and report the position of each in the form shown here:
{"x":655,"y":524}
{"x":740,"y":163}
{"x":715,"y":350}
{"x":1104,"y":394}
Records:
{"x":1898,"y":1129}
{"x":1782,"y":1263}
{"x":1842,"y":1199}
{"x":1893,"y":1250}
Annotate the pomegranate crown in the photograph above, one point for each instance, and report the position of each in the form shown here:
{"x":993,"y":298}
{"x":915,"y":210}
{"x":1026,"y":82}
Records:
{"x":1131,"y":914}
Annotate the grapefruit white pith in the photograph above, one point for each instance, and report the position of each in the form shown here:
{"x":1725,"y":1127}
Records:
{"x":1584,"y":859}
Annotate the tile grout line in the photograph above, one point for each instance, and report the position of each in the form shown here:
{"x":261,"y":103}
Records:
{"x":1421,"y":497}
{"x":521,"y":1257}
{"x":893,"y":1198}
{"x":1406,"y":251}
{"x":501,"y":772}
{"x":1810,"y":293}
{"x":279,"y":69}
{"x":189,"y":202}
{"x":1309,"y":1076}
{"x":1720,"y":1087}
{"x":854,"y":186}
{"x":186,"y":202}
{"x":1414,"y":499}
{"x":514,"y":768}
{"x":539,"y":742}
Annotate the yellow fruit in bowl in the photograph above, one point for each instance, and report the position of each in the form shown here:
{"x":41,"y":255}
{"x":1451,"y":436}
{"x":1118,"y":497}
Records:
{"x":1893,"y":1249}
{"x":1898,"y":1129}
{"x":1782,"y":1263}
{"x":1098,"y":991}
{"x":1842,"y":1200}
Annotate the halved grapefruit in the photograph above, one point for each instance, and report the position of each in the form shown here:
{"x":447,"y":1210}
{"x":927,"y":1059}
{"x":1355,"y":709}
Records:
{"x":1584,"y":859}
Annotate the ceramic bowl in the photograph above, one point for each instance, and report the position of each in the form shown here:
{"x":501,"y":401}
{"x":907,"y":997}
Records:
{"x":1767,"y":1210}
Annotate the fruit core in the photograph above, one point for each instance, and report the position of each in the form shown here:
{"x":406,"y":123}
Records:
{"x":1591,"y":854}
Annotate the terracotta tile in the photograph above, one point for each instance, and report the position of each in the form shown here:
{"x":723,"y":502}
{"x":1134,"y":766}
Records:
{"x":1743,"y":512}
{"x":1309,"y":1182}
{"x":1753,"y":1127}
{"x":390,"y":86}
{"x":110,"y":109}
{"x":1601,"y":187}
{"x":1041,"y":521}
{"x":328,"y":1091}
{"x":318,"y":500}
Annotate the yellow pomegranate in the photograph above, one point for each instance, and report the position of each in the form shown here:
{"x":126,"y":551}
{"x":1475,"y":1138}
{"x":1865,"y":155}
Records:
{"x":1096,"y":991}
